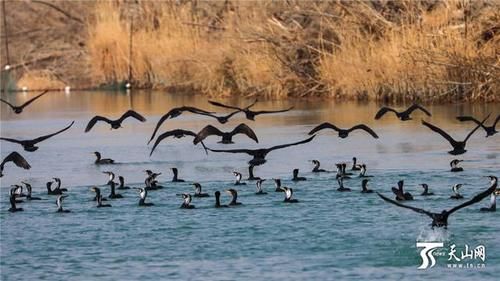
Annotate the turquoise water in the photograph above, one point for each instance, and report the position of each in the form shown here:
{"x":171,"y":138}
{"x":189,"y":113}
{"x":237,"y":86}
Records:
{"x":327,"y":235}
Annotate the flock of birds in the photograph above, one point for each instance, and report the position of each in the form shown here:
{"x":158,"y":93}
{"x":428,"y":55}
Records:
{"x":151,"y":182}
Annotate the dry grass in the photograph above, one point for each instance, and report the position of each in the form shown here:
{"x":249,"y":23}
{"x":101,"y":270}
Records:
{"x":40,"y":80}
{"x":403,"y":50}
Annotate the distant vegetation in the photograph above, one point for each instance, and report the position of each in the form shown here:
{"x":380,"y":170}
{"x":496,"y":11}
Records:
{"x":380,"y":50}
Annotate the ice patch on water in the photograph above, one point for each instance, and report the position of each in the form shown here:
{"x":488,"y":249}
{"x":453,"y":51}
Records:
{"x":438,"y":234}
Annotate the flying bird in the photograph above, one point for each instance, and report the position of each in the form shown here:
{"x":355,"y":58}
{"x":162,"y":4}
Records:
{"x":19,"y":109}
{"x":441,"y":219}
{"x":221,"y":119}
{"x":259,"y":155}
{"x":250,"y":114}
{"x":178,"y":133}
{"x":115,"y":124}
{"x":458,"y":146}
{"x":343,"y":133}
{"x":490,"y":130}
{"x":403,"y":115}
{"x":17,"y":159}
{"x":227,"y":137}
{"x":30,"y":145}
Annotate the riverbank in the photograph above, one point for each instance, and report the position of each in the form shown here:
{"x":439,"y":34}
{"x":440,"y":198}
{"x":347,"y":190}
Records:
{"x":379,"y":50}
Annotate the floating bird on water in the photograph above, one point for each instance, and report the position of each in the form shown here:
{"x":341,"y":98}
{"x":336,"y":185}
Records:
{"x":362,"y":173}
{"x":175,"y":112}
{"x":29,"y":189}
{"x":296,"y":176}
{"x":102,"y":161}
{"x":259,"y":155}
{"x":259,"y":187}
{"x":341,"y":171}
{"x":238,"y":178}
{"x":54,"y":191}
{"x":227,"y":137}
{"x":17,"y":159}
{"x":251,"y":177}
{"x":364,"y":186}
{"x":19,"y":109}
{"x":341,"y":185}
{"x":217,"y":200}
{"x":143,"y":193}
{"x":277,"y":185}
{"x":122,"y":183}
{"x":400,"y":194}
{"x":456,"y":194}
{"x":458,"y":146}
{"x":112,"y":194}
{"x":175,"y":178}
{"x":197,"y":191}
{"x":12,"y":199}
{"x":234,"y":195}
{"x":178,"y":133}
{"x":58,"y":187}
{"x":355,"y":165}
{"x":288,"y":195}
{"x":490,"y":130}
{"x":343,"y":133}
{"x":16,"y":189}
{"x":98,"y":198}
{"x":30,"y":145}
{"x":59,"y":204}
{"x":186,"y":204}
{"x":426,"y":190}
{"x":493,"y":204}
{"x":316,"y":168}
{"x":454,"y":165}
{"x":441,"y":219}
{"x":115,"y":124}
{"x":250,"y":114}
{"x":403,"y":115}
{"x":111,"y":176}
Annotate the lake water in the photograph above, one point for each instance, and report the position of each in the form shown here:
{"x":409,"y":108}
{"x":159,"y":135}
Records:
{"x":327,"y":235}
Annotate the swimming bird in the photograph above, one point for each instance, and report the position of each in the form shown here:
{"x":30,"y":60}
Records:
{"x":111,"y":176}
{"x":454,"y":165}
{"x":343,"y":133}
{"x":277,"y":185}
{"x":175,"y":178}
{"x":151,"y":182}
{"x":19,"y":191}
{"x":259,"y":187}
{"x":217,"y":200}
{"x":362,"y":173}
{"x":364,"y":186}
{"x":112,"y":194}
{"x":59,"y":204}
{"x":178,"y":133}
{"x":341,"y":173}
{"x":400,"y":194}
{"x":186,"y":204}
{"x":493,"y":204}
{"x":251,"y":177}
{"x":115,"y":124}
{"x":29,"y":189}
{"x":54,"y":191}
{"x":238,"y":178}
{"x":173,"y":113}
{"x":456,"y":194}
{"x":234,"y":195}
{"x":227,"y":137}
{"x":316,"y":168}
{"x":17,"y":159}
{"x":143,"y":193}
{"x":296,"y":176}
{"x":458,"y":146}
{"x":490,"y":130}
{"x":197,"y":191}
{"x":98,"y":198}
{"x":441,"y":219}
{"x":341,"y":185}
{"x":426,"y":190}
{"x":19,"y":109}
{"x":12,"y":199}
{"x":102,"y":161}
{"x":355,"y":165}
{"x":288,"y":195}
{"x":259,"y":155}
{"x":122,"y":183}
{"x":16,"y":190}
{"x":403,"y":115}
{"x":58,"y":187}
{"x":30,"y":145}
{"x":250,"y":114}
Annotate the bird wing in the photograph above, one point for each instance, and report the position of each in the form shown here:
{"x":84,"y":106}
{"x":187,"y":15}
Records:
{"x":205,"y":132}
{"x":475,"y":129}
{"x":418,"y":210}
{"x":290,"y":144}
{"x":244,"y":129}
{"x":17,"y":159}
{"x":8,"y":103}
{"x":366,"y":128}
{"x":223,"y":105}
{"x":252,"y":104}
{"x":162,"y":119}
{"x":271,"y":111}
{"x":12,"y":140}
{"x":247,"y":151}
{"x":468,"y":118}
{"x":169,"y":134}
{"x":415,"y":107}
{"x":474,"y":199}
{"x":94,"y":120}
{"x":42,"y":138}
{"x":383,"y":111}
{"x":322,"y":126}
{"x":496,"y":121}
{"x":441,"y":132}
{"x":133,"y":114}
{"x":193,"y":109}
{"x":33,"y":99}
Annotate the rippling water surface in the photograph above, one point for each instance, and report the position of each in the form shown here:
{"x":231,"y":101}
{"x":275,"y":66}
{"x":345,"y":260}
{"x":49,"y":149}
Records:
{"x":328,"y":235}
